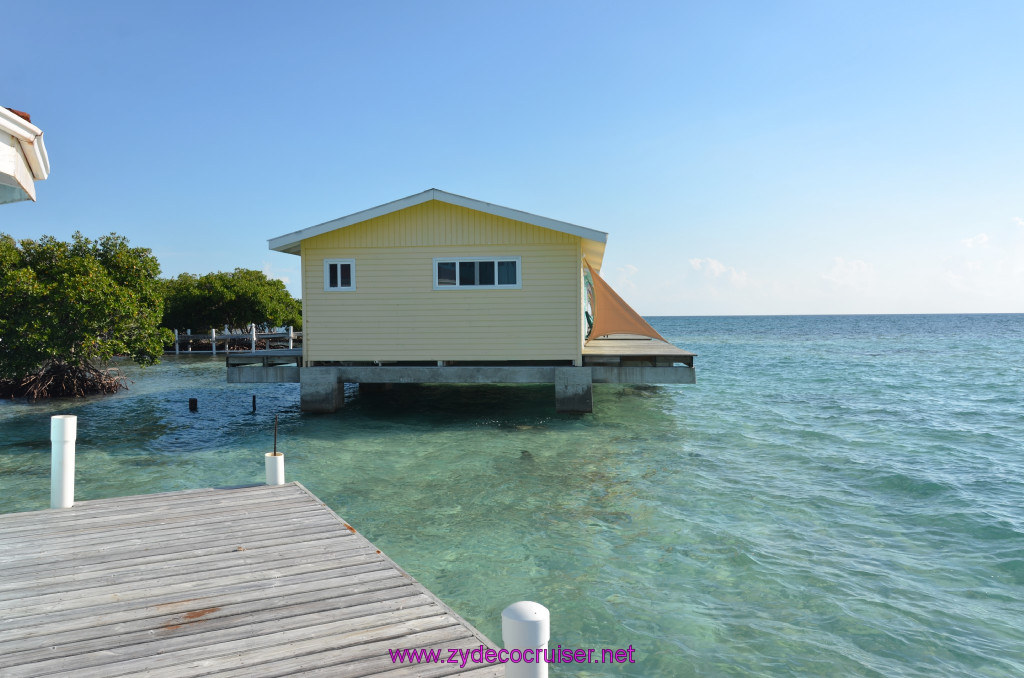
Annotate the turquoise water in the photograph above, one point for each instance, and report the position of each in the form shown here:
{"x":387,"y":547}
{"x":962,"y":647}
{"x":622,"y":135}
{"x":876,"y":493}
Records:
{"x":837,"y":496}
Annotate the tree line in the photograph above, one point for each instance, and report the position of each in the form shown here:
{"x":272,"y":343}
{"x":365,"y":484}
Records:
{"x":68,"y":308}
{"x":237,"y":299}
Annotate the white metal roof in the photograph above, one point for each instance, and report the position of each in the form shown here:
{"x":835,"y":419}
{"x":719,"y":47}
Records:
{"x":289,"y":243}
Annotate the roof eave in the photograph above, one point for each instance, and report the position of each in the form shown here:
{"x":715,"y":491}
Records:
{"x":289,"y":243}
{"x":594,"y":253}
{"x":31,"y":139}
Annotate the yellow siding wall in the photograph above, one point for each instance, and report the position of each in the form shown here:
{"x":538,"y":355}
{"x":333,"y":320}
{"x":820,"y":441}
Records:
{"x":396,"y":314}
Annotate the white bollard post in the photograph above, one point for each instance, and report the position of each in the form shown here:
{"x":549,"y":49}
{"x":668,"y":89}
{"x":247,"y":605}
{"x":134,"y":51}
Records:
{"x":213,"y":340}
{"x":291,"y":336}
{"x":175,"y":342}
{"x":275,"y":468}
{"x":189,"y":332}
{"x":526,"y":626}
{"x":253,"y":336}
{"x":63,"y":431}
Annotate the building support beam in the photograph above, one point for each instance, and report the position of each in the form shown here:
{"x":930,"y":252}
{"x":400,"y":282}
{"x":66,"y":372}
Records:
{"x":322,"y":387}
{"x":281,"y":374}
{"x":320,"y":390}
{"x":574,"y":389}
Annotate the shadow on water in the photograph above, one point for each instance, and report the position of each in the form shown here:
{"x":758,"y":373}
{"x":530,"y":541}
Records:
{"x":514,"y":428}
{"x":456,"y":403}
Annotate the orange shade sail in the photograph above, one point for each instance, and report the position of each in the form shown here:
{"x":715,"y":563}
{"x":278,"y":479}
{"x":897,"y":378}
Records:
{"x":612,"y":315}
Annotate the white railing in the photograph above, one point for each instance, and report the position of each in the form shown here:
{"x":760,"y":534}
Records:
{"x":183,"y":342}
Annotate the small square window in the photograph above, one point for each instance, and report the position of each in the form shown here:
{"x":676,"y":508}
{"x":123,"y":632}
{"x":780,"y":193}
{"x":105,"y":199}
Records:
{"x":486,"y":273}
{"x":339,"y":275}
{"x":446,"y":273}
{"x":507,"y":273}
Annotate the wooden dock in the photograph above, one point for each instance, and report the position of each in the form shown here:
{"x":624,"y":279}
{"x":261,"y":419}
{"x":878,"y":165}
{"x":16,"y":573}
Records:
{"x":254,"y":581}
{"x":634,"y":350}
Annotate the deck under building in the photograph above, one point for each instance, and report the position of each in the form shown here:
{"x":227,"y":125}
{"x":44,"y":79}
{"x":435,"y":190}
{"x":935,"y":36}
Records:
{"x":625,"y":359}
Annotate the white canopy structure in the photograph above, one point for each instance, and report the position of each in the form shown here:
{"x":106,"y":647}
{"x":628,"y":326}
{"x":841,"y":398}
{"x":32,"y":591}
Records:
{"x":23,"y":159}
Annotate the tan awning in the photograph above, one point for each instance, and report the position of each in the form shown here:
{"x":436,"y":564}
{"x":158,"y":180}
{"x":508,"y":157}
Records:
{"x":612,"y":315}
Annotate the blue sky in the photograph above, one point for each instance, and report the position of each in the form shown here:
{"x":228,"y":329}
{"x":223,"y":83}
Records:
{"x":746,"y":158}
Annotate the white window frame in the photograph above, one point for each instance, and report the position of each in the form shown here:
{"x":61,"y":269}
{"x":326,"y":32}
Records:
{"x":327,"y":275}
{"x":495,"y":286}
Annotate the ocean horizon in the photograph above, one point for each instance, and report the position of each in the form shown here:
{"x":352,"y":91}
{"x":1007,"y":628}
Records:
{"x":837,"y":495}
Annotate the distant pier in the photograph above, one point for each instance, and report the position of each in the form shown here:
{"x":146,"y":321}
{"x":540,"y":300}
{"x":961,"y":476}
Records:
{"x":187,"y":342}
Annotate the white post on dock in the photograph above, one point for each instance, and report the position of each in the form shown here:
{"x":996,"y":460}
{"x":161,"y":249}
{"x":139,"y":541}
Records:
{"x":526,"y":626}
{"x":291,"y":336}
{"x":175,"y":342}
{"x":253,"y":336}
{"x":189,"y":332}
{"x":63,"y":431}
{"x":213,"y":340}
{"x":275,"y":468}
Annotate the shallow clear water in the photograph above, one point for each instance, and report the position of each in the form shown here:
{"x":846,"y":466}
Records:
{"x":836,"y":496}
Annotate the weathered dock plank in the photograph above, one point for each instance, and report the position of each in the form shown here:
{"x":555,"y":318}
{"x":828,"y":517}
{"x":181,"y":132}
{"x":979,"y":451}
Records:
{"x":248,"y":581}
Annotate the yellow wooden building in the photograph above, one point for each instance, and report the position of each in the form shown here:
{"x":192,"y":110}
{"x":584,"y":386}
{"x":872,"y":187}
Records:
{"x":437,"y":276}
{"x":437,"y":280}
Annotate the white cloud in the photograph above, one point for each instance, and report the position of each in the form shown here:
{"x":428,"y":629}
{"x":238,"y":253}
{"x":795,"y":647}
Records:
{"x":715,"y":269}
{"x":990,"y":280}
{"x":979,"y":240}
{"x":738,"y":278}
{"x":855,"y":273}
{"x":1019,"y":221}
{"x":269,"y":271}
{"x":624,"y":275}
